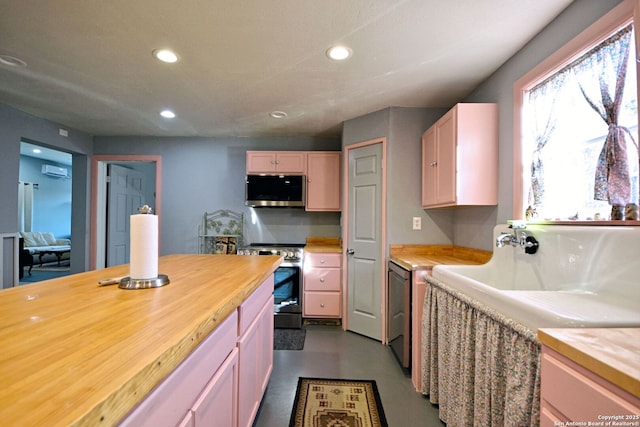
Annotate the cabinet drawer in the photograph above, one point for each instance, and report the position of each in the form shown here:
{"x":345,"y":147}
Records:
{"x":322,"y":259}
{"x":322,"y":279}
{"x":321,"y":304}
{"x":248,"y":311}
{"x":568,"y":391}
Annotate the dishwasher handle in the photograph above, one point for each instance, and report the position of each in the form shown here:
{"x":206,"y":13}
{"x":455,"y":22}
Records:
{"x":400,"y":271}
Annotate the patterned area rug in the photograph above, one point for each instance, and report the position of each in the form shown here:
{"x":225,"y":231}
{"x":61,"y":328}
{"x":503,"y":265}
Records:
{"x":337,"y":403}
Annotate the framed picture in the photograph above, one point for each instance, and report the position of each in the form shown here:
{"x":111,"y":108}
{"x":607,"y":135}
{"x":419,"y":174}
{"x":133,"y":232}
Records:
{"x":221,"y":244}
{"x":226,"y":245}
{"x":232,"y":245}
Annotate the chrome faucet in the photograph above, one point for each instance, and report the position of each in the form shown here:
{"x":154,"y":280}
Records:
{"x":518,"y":237}
{"x":507,"y":239}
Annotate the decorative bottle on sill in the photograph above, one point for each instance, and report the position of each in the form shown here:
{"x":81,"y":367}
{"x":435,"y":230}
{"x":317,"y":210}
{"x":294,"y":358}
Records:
{"x":631,"y":212}
{"x":617,"y":213}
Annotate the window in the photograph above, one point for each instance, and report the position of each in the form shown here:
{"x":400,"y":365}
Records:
{"x":578,"y":128}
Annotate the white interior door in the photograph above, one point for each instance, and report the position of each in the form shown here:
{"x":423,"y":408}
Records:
{"x":124,"y":196}
{"x":364,"y":245}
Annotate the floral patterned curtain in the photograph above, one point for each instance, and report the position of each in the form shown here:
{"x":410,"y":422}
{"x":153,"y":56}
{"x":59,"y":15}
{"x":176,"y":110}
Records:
{"x":480,"y":367}
{"x":601,"y":74}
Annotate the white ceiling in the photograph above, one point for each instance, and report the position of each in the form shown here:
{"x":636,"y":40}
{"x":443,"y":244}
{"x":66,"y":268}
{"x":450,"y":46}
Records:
{"x":90,"y":66}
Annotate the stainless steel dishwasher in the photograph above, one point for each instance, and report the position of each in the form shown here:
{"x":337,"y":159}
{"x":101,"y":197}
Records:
{"x":399,"y":313}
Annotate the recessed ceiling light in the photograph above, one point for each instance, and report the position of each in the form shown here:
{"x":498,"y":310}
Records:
{"x":168,"y":114}
{"x":37,"y":150}
{"x":339,"y":52}
{"x":165,"y":55}
{"x":12,"y":61}
{"x":278,"y":114}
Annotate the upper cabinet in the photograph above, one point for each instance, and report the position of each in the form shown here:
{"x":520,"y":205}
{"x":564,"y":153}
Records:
{"x":460,"y":158}
{"x":323,"y":181}
{"x":322,"y":170}
{"x":276,"y":162}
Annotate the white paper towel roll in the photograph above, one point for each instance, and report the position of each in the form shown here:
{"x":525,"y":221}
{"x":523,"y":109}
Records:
{"x":144,"y":247}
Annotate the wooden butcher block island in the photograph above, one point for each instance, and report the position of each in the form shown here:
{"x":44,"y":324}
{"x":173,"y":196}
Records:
{"x":74,"y":353}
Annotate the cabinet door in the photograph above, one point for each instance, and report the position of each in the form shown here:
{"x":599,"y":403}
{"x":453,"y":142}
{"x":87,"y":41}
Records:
{"x":255,"y":361}
{"x":418,"y":291}
{"x":446,"y":158}
{"x":429,"y":167}
{"x":217,"y":406}
{"x":323,"y":181}
{"x":291,"y":162}
{"x":276,"y":162}
{"x":266,"y":351}
{"x":261,"y":161}
{"x":460,"y":158}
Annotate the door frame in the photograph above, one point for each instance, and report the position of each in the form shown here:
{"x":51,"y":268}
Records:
{"x":98,"y":196}
{"x":345,"y":231}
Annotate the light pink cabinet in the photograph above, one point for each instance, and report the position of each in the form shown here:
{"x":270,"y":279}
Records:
{"x":255,"y":346}
{"x":323,"y":181}
{"x":569,"y":392}
{"x":217,"y":404}
{"x":418,"y":290}
{"x":294,"y":162}
{"x":221,"y":383}
{"x":322,"y":285}
{"x":460,"y":158}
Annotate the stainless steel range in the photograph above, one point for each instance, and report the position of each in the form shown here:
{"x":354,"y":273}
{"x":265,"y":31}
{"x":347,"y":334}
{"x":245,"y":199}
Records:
{"x":288,"y":281}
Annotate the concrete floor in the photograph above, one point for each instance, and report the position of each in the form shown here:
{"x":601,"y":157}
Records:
{"x":329,"y":352}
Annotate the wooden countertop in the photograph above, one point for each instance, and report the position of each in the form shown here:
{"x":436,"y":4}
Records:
{"x":424,"y":257}
{"x":323,"y":244}
{"x":611,"y":353}
{"x":77,"y":354}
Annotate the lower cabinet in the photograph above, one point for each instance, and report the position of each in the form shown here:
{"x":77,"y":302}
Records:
{"x":256,"y":361}
{"x":221,"y":383}
{"x":418,"y":290}
{"x":322,"y":285}
{"x":572,"y":395}
{"x":217,"y":404}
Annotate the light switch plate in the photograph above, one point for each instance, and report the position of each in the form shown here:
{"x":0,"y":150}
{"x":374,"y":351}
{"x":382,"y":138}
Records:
{"x":417,"y":223}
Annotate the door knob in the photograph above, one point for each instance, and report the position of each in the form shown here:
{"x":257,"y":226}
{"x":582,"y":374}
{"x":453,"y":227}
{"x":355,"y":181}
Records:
{"x":350,"y":252}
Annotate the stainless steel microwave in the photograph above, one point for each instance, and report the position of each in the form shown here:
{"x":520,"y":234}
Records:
{"x":275,"y":190}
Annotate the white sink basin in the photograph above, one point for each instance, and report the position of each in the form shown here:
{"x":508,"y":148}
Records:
{"x":580,"y":277}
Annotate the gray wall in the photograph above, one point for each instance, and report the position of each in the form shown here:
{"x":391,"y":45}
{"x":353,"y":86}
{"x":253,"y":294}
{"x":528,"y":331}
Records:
{"x":16,"y":126}
{"x":470,"y":226}
{"x":206,"y":174}
{"x":403,"y":128}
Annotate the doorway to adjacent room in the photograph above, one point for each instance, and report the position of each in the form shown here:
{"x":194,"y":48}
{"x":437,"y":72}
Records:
{"x":120,"y":185}
{"x":44,"y":211}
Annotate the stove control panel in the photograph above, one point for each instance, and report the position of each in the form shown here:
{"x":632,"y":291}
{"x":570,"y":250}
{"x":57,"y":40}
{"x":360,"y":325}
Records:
{"x":289,"y":254}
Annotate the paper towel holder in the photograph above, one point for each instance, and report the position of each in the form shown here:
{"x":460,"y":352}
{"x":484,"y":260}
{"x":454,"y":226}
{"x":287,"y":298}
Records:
{"x":154,"y":282}
{"x":129,"y":283}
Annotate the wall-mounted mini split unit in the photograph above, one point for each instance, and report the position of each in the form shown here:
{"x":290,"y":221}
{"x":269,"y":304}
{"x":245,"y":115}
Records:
{"x":54,"y":171}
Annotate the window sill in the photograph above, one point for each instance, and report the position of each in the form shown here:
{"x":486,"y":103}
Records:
{"x":624,"y":223}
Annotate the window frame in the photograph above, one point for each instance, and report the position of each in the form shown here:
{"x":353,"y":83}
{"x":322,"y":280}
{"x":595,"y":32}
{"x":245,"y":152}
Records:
{"x":626,"y":12}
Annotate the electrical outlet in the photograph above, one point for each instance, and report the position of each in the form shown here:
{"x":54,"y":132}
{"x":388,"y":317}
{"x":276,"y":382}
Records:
{"x":417,"y":223}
